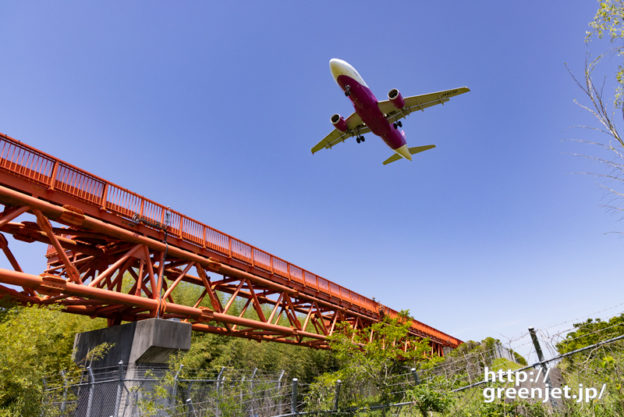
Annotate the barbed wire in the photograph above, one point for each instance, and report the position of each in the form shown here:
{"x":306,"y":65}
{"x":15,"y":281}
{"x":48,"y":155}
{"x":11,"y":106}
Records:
{"x":583,"y":319}
{"x":263,"y":390}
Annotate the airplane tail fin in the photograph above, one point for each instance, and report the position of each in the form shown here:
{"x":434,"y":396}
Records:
{"x":412,"y":151}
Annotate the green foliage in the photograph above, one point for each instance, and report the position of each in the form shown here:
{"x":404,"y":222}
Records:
{"x":97,"y":353}
{"x":432,"y":396}
{"x":322,"y":393}
{"x":609,"y":19}
{"x":603,"y":365}
{"x":485,"y":348}
{"x":211,"y":352}
{"x":504,"y":364}
{"x":369,"y":365}
{"x":519,"y":358}
{"x":35,"y":342}
{"x":472,"y":357}
{"x":477,"y":408}
{"x":590,"y":332}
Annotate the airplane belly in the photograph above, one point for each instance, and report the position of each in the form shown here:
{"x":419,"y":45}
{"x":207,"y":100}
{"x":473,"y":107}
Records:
{"x":378,"y":124}
{"x":395,"y":139}
{"x":366,"y":106}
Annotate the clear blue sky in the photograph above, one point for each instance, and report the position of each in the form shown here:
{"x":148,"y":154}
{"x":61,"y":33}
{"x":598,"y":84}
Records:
{"x":212,"y":107}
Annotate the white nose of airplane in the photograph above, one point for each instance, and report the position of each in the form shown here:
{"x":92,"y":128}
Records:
{"x":337,"y":67}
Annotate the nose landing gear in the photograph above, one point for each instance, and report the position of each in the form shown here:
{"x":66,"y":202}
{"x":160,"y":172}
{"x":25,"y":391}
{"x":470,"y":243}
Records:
{"x":347,"y":90}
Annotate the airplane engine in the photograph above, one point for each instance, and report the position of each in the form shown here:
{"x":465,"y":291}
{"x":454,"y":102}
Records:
{"x":396,"y":98}
{"x":339,"y":122}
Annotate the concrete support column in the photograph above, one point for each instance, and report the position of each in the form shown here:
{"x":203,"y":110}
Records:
{"x":139,"y":344}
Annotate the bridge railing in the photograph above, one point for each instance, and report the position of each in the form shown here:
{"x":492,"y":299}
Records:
{"x":26,"y":161}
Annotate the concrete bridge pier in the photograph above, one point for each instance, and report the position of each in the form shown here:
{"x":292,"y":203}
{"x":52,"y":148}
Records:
{"x":113,"y":390}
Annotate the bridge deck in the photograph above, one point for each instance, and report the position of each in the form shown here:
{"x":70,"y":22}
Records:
{"x":87,"y":203}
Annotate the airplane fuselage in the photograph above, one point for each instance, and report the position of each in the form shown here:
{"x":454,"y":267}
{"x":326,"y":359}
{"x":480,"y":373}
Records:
{"x":382,"y":118}
{"x":366,"y":106}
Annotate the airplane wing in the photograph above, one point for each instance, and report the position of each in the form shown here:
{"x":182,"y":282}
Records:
{"x":418,"y":103}
{"x":355,"y":127}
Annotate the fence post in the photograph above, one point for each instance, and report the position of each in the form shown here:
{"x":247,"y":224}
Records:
{"x":251,"y":393}
{"x":217,"y":410}
{"x":279,"y":380}
{"x":279,"y":389}
{"x":468,"y":369}
{"x":120,"y":385}
{"x":338,"y":384}
{"x":415,"y":376}
{"x":45,"y":388}
{"x":91,"y":388}
{"x":65,"y":388}
{"x":190,"y":409}
{"x":251,"y":381}
{"x":538,"y":348}
{"x":189,"y":400}
{"x":293,"y":396}
{"x":174,"y":391}
{"x":242,"y":384}
{"x":540,"y":357}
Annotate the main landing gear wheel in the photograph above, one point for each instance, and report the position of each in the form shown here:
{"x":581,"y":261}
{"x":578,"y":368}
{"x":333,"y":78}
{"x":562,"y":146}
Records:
{"x":397,"y":124}
{"x":360,"y":139}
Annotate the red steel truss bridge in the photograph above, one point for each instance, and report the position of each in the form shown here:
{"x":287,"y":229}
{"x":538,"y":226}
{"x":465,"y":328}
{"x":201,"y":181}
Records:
{"x":115,"y":254}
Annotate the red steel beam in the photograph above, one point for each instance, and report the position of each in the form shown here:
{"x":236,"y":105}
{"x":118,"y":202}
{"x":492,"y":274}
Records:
{"x":35,"y":181}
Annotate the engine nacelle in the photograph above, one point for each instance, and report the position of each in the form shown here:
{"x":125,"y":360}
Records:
{"x":339,"y":122}
{"x":396,"y":98}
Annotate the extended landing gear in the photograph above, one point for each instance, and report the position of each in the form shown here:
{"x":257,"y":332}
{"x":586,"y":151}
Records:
{"x":397,"y":124}
{"x":347,"y":90}
{"x":360,"y":139}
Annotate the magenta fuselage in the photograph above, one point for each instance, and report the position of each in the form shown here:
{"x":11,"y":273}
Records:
{"x":365,"y":104}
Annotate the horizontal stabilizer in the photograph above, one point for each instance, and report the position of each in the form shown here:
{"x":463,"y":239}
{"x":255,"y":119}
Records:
{"x":413,"y":150}
{"x":393,"y":158}
{"x":417,"y":149}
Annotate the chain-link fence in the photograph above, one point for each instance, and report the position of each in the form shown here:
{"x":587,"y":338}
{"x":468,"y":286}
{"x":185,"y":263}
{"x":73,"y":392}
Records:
{"x":138,"y":391}
{"x":587,"y":381}
{"x":464,"y":384}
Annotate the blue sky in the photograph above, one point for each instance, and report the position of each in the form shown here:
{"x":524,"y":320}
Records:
{"x":212,"y":108}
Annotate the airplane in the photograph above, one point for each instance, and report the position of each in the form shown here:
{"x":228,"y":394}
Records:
{"x":383,"y":118}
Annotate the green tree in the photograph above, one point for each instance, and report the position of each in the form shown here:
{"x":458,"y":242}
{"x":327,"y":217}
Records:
{"x":598,"y":366}
{"x":35,"y":342}
{"x":609,"y":19}
{"x":609,"y":145}
{"x":371,"y":367}
{"x":210,"y":353}
{"x":590,"y":332}
{"x":431,"y":396}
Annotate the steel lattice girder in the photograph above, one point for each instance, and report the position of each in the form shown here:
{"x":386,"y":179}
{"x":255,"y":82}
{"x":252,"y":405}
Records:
{"x":100,"y":275}
{"x":104,"y":277}
{"x":109,"y":263}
